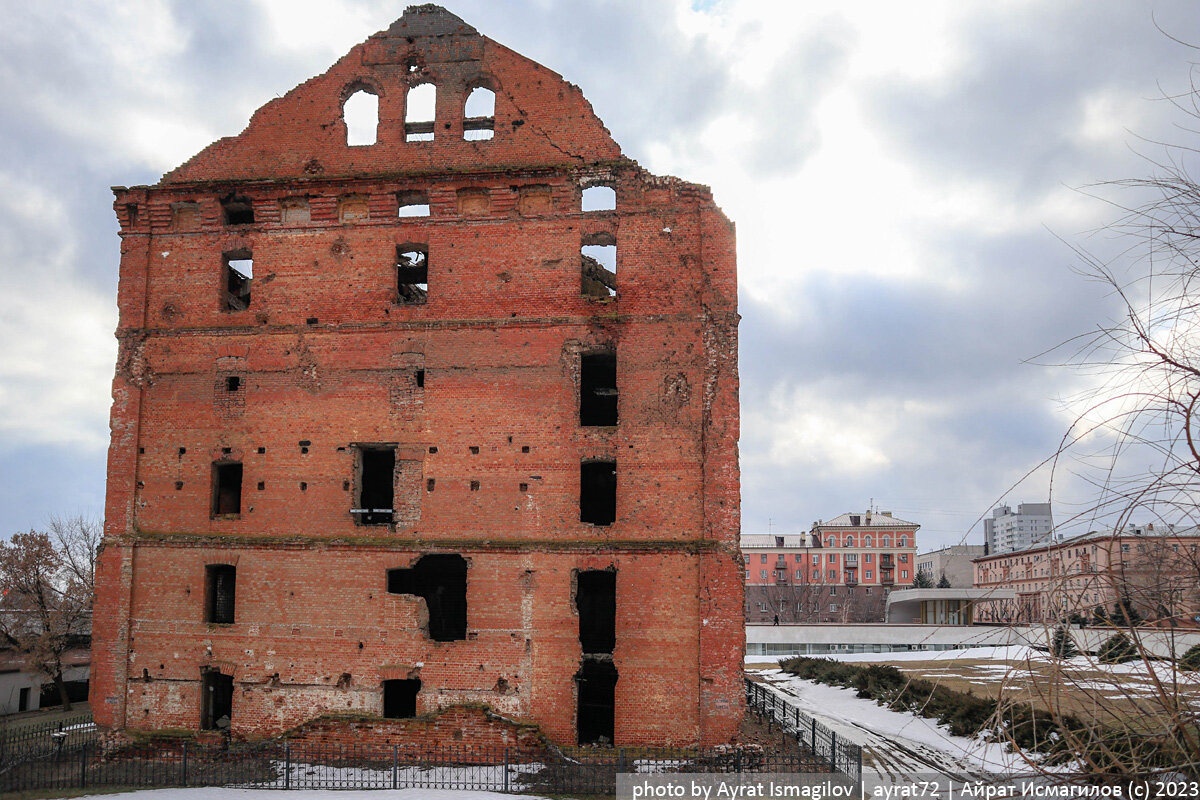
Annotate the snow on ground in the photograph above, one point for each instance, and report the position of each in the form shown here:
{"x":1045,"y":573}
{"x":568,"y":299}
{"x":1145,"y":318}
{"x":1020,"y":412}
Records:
{"x":210,"y":793}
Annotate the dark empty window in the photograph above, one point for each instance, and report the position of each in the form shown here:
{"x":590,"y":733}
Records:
{"x":220,"y":590}
{"x":216,"y":701}
{"x":237,"y":209}
{"x":598,"y":388}
{"x":596,"y":604}
{"x":597,"y":684}
{"x":233,"y":383}
{"x":442,"y":581}
{"x":376,"y":482}
{"x":412,"y":273}
{"x":400,"y":698}
{"x":598,"y":492}
{"x":239,"y":274}
{"x":227,"y":488}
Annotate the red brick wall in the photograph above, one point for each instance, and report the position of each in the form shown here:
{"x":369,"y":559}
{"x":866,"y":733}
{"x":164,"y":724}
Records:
{"x":327,"y":358}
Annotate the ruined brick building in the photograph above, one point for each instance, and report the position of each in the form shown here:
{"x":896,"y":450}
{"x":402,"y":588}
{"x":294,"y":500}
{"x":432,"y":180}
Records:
{"x":404,"y":421}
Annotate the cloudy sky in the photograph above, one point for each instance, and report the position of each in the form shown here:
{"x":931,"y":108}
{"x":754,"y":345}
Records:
{"x":904,"y":178}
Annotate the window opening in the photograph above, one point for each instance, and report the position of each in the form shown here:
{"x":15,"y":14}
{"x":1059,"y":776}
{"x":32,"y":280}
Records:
{"x":597,"y":683}
{"x":598,"y":388}
{"x":598,"y":263}
{"x":596,"y":604}
{"x":442,"y":581}
{"x":599,"y":198}
{"x":598,"y":492}
{"x":216,"y":691}
{"x":413,"y":204}
{"x":412,"y":273}
{"x":420,"y":378}
{"x":233,"y":383}
{"x":237,"y":209}
{"x":220,"y":591}
{"x":400,"y":698}
{"x":419,"y":113}
{"x":479,"y":115}
{"x":376,"y":481}
{"x":227,"y":488}
{"x":239,"y":274}
{"x":360,"y":112}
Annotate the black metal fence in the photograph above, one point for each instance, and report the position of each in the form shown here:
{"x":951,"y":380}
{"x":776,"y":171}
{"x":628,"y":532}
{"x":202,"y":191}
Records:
{"x":284,"y":765}
{"x":839,"y":754}
{"x":21,"y":742}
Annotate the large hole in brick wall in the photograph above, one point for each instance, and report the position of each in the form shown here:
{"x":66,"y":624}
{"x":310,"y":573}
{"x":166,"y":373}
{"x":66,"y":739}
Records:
{"x":419,"y":111}
{"x":227,"y":488}
{"x":598,"y":266}
{"x":237,"y":209}
{"x":412,"y":273}
{"x":597,"y":683}
{"x":238,"y":277}
{"x":360,"y":112}
{"x":598,"y":388}
{"x":376,"y":484}
{"x":599,"y":198}
{"x":442,"y":581}
{"x":598,"y":492}
{"x":400,"y":698}
{"x":413,"y":204}
{"x":596,"y":604}
{"x":216,"y":700}
{"x":220,"y":593}
{"x":479,"y":114}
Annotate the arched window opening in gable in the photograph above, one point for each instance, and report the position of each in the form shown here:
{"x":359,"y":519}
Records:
{"x":479,"y":115}
{"x":419,"y":113}
{"x":360,"y":112}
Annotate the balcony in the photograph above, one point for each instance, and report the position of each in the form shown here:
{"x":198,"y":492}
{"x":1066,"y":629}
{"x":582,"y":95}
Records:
{"x":781,"y":578}
{"x":886,"y":561}
{"x":851,"y":578}
{"x":887,"y":578}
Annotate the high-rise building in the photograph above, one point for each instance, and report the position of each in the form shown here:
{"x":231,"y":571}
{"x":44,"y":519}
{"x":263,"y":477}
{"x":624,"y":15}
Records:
{"x":1030,"y":526}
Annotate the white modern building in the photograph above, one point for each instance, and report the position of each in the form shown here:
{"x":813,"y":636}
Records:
{"x":954,"y":562}
{"x":1031,"y":525}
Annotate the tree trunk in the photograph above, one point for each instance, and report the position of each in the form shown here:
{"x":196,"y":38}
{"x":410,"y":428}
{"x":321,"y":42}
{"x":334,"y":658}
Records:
{"x":61,"y":685}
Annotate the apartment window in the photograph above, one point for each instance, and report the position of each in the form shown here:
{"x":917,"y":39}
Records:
{"x":227,"y":488}
{"x":220,"y":588}
{"x":817,"y":558}
{"x":867,"y":575}
{"x":849,"y":542}
{"x":598,"y":388}
{"x":412,"y":273}
{"x":799,"y":558}
{"x":598,"y":492}
{"x":831,"y":574}
{"x":903,"y":573}
{"x":400,"y":698}
{"x":816,"y":574}
{"x":762,"y":574}
{"x":833,"y":558}
{"x":904,"y":559}
{"x":376,"y":482}
{"x":799,"y":574}
{"x":868,"y":558}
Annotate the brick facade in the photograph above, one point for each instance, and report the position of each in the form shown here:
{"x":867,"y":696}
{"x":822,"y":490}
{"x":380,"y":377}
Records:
{"x":281,"y":349}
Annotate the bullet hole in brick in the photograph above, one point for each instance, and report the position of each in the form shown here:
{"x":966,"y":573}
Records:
{"x":413,"y":204}
{"x":303,"y":486}
{"x":479,"y":114}
{"x":524,"y":487}
{"x":474,"y":450}
{"x":220,"y":588}
{"x":597,"y":683}
{"x":510,"y":440}
{"x":598,"y":388}
{"x":360,"y":644}
{"x":145,"y":675}
{"x":442,"y":581}
{"x":474,"y":486}
{"x":178,"y":485}
{"x":525,"y":448}
{"x":596,"y":604}
{"x":345,"y":486}
{"x":516,"y":123}
{"x":304,"y":451}
{"x":599,"y":198}
{"x":216,"y":692}
{"x":304,"y":443}
{"x":412,"y":274}
{"x":360,"y":112}
{"x":162,"y":666}
{"x":262,"y":450}
{"x":430,"y":484}
{"x":141,"y":451}
{"x":262,"y":485}
{"x":400,"y":698}
{"x":376,"y":479}
{"x":312,"y":321}
{"x":433,"y":449}
{"x":238,"y":268}
{"x":233,"y":383}
{"x":226,"y":450}
{"x":598,"y":492}
{"x":598,"y":266}
{"x":182,"y":450}
{"x":343,"y":680}
{"x":420,"y":105}
{"x":237,"y":209}
{"x":227,"y":488}
{"x":420,"y":378}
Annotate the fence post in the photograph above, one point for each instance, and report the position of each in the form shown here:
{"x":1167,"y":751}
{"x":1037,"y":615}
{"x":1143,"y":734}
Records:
{"x":184,"y":777}
{"x":506,"y":770}
{"x":812,"y":736}
{"x":395,"y":766}
{"x":287,"y":765}
{"x":860,"y":775}
{"x":833,"y":750}
{"x":83,"y":765}
{"x":737,"y":759}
